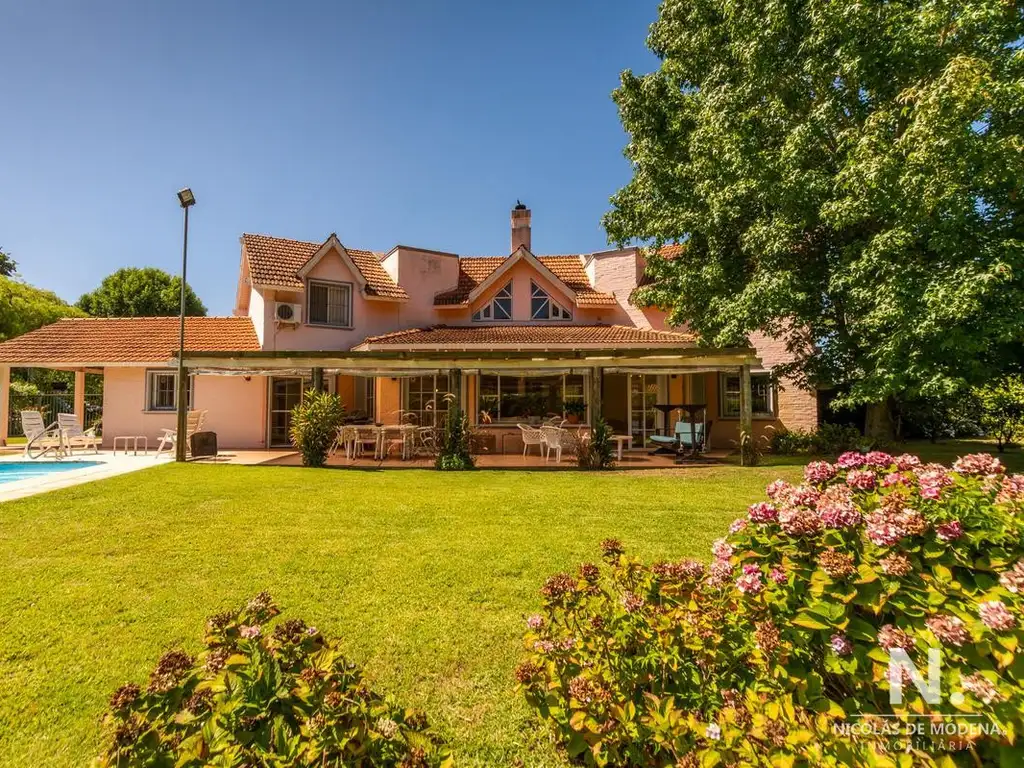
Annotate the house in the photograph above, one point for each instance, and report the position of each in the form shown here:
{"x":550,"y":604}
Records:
{"x":512,"y":338}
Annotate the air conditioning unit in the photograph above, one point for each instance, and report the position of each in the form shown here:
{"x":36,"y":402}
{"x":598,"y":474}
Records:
{"x":288,"y":313}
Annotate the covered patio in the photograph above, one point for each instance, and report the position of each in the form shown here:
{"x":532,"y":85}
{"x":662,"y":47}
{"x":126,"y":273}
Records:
{"x":641,"y":391}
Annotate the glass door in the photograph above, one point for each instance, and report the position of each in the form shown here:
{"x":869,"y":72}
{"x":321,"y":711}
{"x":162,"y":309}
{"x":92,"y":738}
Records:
{"x":285,"y":394}
{"x":645,"y":391}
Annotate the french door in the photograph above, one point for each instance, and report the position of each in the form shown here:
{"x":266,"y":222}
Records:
{"x":285,"y":394}
{"x":645,"y":391}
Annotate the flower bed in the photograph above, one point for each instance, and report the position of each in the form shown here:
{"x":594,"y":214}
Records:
{"x":781,"y":651}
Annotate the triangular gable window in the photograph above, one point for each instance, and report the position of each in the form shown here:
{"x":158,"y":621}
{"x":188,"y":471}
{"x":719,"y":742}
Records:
{"x":499,"y":308}
{"x":543,"y":308}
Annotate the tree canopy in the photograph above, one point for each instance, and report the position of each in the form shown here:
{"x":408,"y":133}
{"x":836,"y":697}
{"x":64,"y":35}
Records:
{"x":24,"y":308}
{"x":8,"y":266}
{"x":849,"y":169}
{"x":140,"y":292}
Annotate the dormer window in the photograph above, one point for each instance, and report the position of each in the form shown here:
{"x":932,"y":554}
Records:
{"x":499,"y":308}
{"x":329,"y":304}
{"x":543,"y":308}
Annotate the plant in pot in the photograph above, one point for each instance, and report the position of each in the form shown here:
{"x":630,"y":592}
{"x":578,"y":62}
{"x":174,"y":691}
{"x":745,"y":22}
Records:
{"x":575,"y":411}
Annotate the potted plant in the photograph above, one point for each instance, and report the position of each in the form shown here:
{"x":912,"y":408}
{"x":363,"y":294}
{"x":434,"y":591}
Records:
{"x":575,"y":411}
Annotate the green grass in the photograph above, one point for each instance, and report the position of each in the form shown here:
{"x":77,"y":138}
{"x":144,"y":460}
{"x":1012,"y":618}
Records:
{"x":426,"y":576}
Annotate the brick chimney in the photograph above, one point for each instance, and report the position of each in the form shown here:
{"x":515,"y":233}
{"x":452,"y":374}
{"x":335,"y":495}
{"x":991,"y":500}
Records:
{"x":520,"y":227}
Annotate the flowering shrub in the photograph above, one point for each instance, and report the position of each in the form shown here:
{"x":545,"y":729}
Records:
{"x":281,"y":696}
{"x":779,"y":652}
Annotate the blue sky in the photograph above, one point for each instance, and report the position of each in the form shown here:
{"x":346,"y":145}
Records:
{"x":387,"y":122}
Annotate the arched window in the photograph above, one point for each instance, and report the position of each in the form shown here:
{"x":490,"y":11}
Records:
{"x":499,"y":308}
{"x":543,"y":308}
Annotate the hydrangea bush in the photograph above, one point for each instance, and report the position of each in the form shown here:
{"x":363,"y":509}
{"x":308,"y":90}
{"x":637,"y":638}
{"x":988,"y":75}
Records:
{"x":779,"y":652}
{"x":262,"y":696}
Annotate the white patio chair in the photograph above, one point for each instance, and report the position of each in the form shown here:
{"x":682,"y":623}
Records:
{"x":75,"y":436}
{"x":169,"y":438}
{"x":40,"y":438}
{"x":554,"y":439}
{"x":532,"y":436}
{"x":367,"y":435}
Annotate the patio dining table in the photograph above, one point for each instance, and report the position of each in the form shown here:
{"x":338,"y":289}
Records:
{"x":349,"y":436}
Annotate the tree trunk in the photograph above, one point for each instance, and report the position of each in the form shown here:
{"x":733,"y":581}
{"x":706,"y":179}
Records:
{"x":878,"y":423}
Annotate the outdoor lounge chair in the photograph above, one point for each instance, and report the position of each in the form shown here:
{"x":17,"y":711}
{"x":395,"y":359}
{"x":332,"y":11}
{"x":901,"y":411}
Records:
{"x":682,"y":438}
{"x":532,"y":436}
{"x":40,"y":438}
{"x":554,"y":440}
{"x":75,"y":436}
{"x":169,"y":438}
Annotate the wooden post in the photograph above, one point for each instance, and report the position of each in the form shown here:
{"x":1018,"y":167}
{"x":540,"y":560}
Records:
{"x":80,"y":397}
{"x":5,"y":402}
{"x":746,"y":412}
{"x":595,"y":395}
{"x":455,"y":388}
{"x":318,"y":379}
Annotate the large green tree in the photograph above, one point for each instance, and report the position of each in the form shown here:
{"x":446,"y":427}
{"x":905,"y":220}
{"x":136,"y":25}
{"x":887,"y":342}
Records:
{"x":8,"y":266}
{"x":24,"y":308}
{"x":848,"y":168}
{"x":140,"y":292}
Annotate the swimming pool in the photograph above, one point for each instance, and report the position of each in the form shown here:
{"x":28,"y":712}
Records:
{"x":11,"y":471}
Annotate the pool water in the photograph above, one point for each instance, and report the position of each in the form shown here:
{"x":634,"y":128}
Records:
{"x":23,"y":470}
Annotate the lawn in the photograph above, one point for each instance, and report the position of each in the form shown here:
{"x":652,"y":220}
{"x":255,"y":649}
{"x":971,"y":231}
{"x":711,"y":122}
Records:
{"x":426,"y":576}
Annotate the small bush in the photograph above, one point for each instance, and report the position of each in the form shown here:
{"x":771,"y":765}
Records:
{"x":1001,"y":406}
{"x":764,"y":657}
{"x":262,"y":696}
{"x":826,"y":440}
{"x":454,"y":443}
{"x":596,"y":450}
{"x":315,"y":423}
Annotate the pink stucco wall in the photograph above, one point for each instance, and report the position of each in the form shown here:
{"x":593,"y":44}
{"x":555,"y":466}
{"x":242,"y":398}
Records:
{"x":236,"y":408}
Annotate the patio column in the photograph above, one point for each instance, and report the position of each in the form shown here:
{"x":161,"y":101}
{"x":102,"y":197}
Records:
{"x":318,"y":379}
{"x":5,"y":401}
{"x":746,"y":406}
{"x":455,"y":386}
{"x":80,"y":397}
{"x":596,"y":376}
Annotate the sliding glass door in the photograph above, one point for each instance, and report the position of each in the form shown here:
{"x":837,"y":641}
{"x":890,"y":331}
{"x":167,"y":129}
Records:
{"x":645,"y":391}
{"x":285,"y":394}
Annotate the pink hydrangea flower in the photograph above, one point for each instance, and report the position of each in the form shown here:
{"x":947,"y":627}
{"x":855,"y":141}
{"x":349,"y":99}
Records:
{"x":750,"y":582}
{"x":803,"y":495}
{"x":721,"y":549}
{"x":879,"y":459}
{"x":950,"y":630}
{"x":797,"y":521}
{"x":762,"y":512}
{"x":982,"y":688}
{"x":895,"y":478}
{"x":861,"y":479}
{"x":850,"y":460}
{"x":776,"y":488}
{"x":949,"y":531}
{"x":890,"y":637}
{"x":737,"y":525}
{"x":249,"y":633}
{"x":819,"y":472}
{"x":720,"y":573}
{"x":536,"y":621}
{"x":995,"y":615}
{"x":882,"y":530}
{"x":906,"y":461}
{"x":1011,"y":488}
{"x":978,"y":464}
{"x":896,"y":565}
{"x":839,"y":515}
{"x":932,"y":479}
{"x":841,"y":645}
{"x":1013,"y":579}
{"x":778,"y":575}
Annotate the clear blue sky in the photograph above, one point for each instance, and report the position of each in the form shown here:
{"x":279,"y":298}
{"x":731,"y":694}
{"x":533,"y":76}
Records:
{"x":385,"y":121}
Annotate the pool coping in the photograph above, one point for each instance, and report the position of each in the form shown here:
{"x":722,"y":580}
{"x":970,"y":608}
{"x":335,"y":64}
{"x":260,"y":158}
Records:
{"x":109,"y":465}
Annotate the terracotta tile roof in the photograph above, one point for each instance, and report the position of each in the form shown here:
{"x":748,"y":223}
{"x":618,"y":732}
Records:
{"x":96,"y":340}
{"x":277,"y":261}
{"x":473,"y":270}
{"x":488,"y":336}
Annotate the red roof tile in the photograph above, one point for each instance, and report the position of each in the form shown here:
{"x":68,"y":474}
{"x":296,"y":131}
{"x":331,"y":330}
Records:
{"x":97,"y":340}
{"x":488,"y":336}
{"x":276,"y":261}
{"x":473,"y":270}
